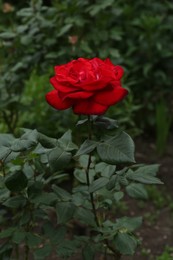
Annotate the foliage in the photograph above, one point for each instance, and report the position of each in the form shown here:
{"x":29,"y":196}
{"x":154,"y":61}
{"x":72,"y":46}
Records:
{"x":44,"y":214}
{"x":163,"y":124}
{"x":167,"y":254}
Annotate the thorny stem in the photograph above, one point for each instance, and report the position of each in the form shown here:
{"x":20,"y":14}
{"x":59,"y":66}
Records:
{"x":111,"y":248}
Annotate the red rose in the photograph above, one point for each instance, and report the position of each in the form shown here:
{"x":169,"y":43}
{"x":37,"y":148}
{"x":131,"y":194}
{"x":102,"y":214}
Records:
{"x":89,"y":86}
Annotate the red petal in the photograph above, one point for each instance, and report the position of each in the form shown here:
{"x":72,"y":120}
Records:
{"x":76,"y":95}
{"x":88,"y":107}
{"x":111,"y":96}
{"x":53,"y":99}
{"x":62,"y":87}
{"x":118,"y":72}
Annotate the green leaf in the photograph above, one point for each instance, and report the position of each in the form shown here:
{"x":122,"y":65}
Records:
{"x":18,"y":236}
{"x":66,"y":142}
{"x":105,"y":169}
{"x":62,"y":194}
{"x":4,"y":152}
{"x":114,"y":53}
{"x":87,"y":147}
{"x":80,"y":175}
{"x":95,"y":9}
{"x":65,"y":211}
{"x":84,"y":46}
{"x":117,"y":149}
{"x":33,"y":239}
{"x":25,"y":218}
{"x":7,"y":232}
{"x":56,"y":235}
{"x":6,"y":140}
{"x":105,"y":122}
{"x":16,"y":182}
{"x":88,"y":252}
{"x":42,"y":252}
{"x":129,"y":224}
{"x":64,"y":29}
{"x":20,"y":145}
{"x":4,"y":193}
{"x":67,"y":248}
{"x":15,"y":202}
{"x":85,"y":216}
{"x":58,"y":159}
{"x":83,"y":161}
{"x":112,"y":183}
{"x":31,"y":135}
{"x":7,"y":35}
{"x":125,"y":243}
{"x":118,"y":195}
{"x":46,"y":198}
{"x":148,"y":169}
{"x":78,"y":198}
{"x":122,"y":180}
{"x":98,"y":184}
{"x":81,"y":122}
{"x":46,"y":141}
{"x":140,"y":177}
{"x":137,"y":191}
{"x":40,"y":149}
{"x":35,"y":189}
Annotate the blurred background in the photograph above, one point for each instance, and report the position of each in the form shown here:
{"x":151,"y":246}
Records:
{"x":37,"y":35}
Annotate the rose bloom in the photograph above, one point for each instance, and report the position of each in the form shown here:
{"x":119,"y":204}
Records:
{"x":7,"y":8}
{"x":73,"y":39}
{"x":89,"y":86}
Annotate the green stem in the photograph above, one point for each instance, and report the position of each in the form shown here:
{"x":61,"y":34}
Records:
{"x":26,"y":252}
{"x":117,"y":255}
{"x":87,"y":174}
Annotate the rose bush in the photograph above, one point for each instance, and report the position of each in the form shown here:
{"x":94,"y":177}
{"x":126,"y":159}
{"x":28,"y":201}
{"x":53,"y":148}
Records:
{"x":89,"y":86}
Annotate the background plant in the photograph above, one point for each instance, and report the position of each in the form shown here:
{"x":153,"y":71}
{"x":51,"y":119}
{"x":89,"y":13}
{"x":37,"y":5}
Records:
{"x":38,"y":36}
{"x":163,"y":125}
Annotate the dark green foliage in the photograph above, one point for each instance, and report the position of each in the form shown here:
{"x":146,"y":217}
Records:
{"x":43,"y":213}
{"x":117,"y":149}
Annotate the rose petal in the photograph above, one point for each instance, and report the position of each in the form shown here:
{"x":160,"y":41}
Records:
{"x":75,"y":95}
{"x":53,"y":99}
{"x":66,"y":87}
{"x":110,"y":96}
{"x":118,"y":72}
{"x":89,"y":107}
